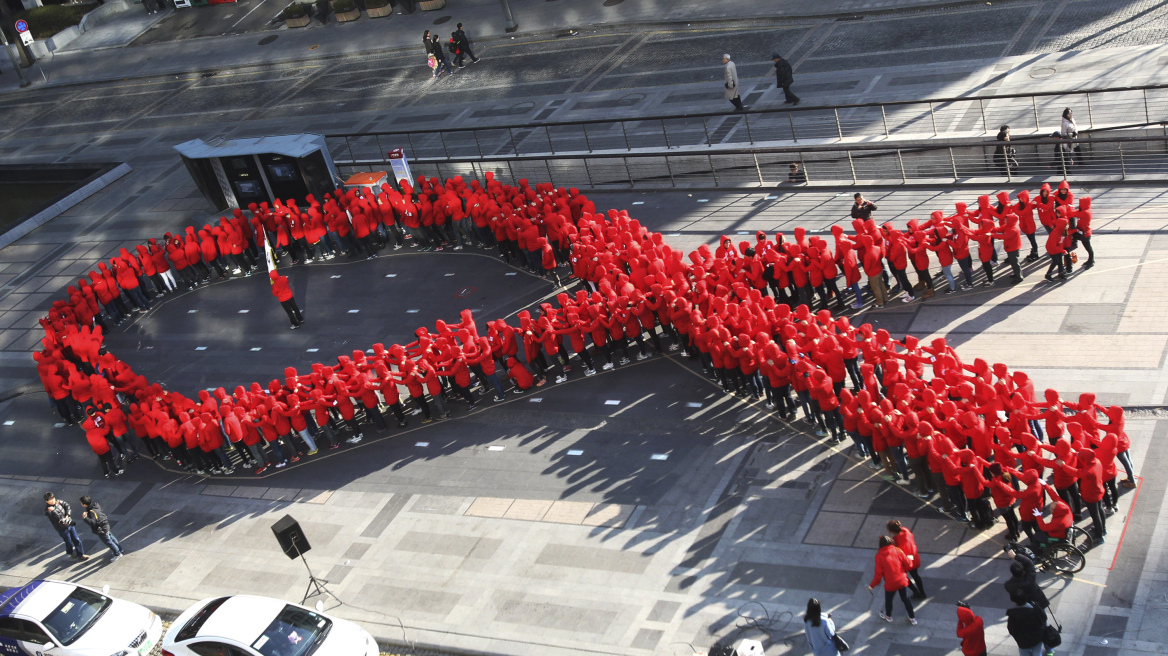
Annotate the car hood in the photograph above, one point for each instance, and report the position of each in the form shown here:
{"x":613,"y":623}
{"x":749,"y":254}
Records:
{"x":347,"y":639}
{"x":119,"y":626}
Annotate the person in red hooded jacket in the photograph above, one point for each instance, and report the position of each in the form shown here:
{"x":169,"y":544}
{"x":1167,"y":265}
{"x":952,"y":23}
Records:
{"x":907,"y":543}
{"x":971,"y":630}
{"x":1082,"y":234}
{"x":283,"y":293}
{"x":1056,"y":249}
{"x":1090,"y":475}
{"x":892,"y":566}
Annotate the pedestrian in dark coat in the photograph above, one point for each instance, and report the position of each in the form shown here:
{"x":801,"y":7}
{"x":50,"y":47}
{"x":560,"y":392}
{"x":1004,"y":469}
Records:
{"x":1024,"y":580}
{"x":440,"y":55}
{"x":462,"y":41}
{"x":1027,"y":625}
{"x":785,"y":77}
{"x":62,"y":520}
{"x":99,"y":524}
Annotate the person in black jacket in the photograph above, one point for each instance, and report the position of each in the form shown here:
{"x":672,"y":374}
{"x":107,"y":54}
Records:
{"x":440,"y":55}
{"x":62,"y":520}
{"x":785,"y":77}
{"x":862,"y":208}
{"x":1027,"y":624}
{"x":1024,"y":581}
{"x":99,"y":524}
{"x":462,"y":42}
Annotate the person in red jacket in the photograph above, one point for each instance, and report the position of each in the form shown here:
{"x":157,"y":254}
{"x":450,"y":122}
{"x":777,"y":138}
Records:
{"x":1054,"y":530}
{"x":1011,"y":236}
{"x":283,"y":293}
{"x":1090,"y":475}
{"x":1083,"y":230}
{"x":971,"y":630}
{"x":907,"y":543}
{"x":1056,"y":249}
{"x":892,"y":566}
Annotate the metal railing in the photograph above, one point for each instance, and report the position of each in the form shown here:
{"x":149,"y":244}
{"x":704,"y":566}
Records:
{"x":1025,"y":113}
{"x":1128,"y":158}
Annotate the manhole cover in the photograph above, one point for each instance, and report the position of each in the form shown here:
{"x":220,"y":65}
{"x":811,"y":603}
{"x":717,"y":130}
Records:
{"x":268,"y":39}
{"x":612,"y":3}
{"x":464,"y":292}
{"x":442,"y":19}
{"x":1042,"y":72}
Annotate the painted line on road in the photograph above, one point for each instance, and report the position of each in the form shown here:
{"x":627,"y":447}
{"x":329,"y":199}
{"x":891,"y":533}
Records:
{"x":1130,"y":511}
{"x":247,"y":14}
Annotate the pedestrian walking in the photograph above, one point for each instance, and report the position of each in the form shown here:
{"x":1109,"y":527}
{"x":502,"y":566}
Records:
{"x":892,"y":567}
{"x":1068,"y":130}
{"x":971,"y":630}
{"x":820,"y":630}
{"x":784,"y":78}
{"x":99,"y":523}
{"x":462,"y":41}
{"x":731,"y":80}
{"x":795,"y":175}
{"x":1027,"y":625}
{"x":907,"y":543}
{"x":283,"y":293}
{"x":1004,"y":154}
{"x":59,"y":516}
{"x":440,"y":55}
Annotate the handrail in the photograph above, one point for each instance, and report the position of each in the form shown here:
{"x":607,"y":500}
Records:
{"x":759,"y":112}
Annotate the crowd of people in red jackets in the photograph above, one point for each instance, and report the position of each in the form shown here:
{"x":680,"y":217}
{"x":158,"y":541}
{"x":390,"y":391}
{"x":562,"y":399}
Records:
{"x":970,"y":433}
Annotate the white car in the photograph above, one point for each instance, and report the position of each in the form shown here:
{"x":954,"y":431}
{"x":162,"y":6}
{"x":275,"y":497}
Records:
{"x":54,"y":618}
{"x":243,"y":625}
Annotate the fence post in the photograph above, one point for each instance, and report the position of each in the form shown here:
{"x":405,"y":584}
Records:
{"x":547,"y":164}
{"x":665,"y":131}
{"x":838,"y":128}
{"x":1090,"y":114}
{"x":748,"y":134}
{"x":757,"y":169}
{"x":442,"y":138}
{"x":587,"y":142}
{"x":672,"y":180}
{"x":1034,"y":106}
{"x":510,"y":171}
{"x":629,"y":172}
{"x":477,"y":143}
{"x":626,"y":135}
{"x":884,"y":117}
{"x":1147,"y":116}
{"x":900,"y":158}
{"x":792,"y":122}
{"x":713,"y":171}
{"x":413,"y":150}
{"x":933,"y":118}
{"x":587,"y":172}
{"x":1122,"y":168}
{"x":349,"y":145}
{"x":548,"y":133}
{"x":514,"y":148}
{"x":706,"y":128}
{"x":852,"y":166}
{"x":985,"y":128}
{"x":953,"y":163}
{"x":803,"y":167}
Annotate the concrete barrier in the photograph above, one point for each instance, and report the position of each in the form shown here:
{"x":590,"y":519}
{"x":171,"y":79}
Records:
{"x":103,"y":13}
{"x":51,"y":212}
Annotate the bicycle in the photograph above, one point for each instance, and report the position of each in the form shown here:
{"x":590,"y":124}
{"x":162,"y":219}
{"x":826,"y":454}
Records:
{"x":1059,"y":555}
{"x":1080,"y":539}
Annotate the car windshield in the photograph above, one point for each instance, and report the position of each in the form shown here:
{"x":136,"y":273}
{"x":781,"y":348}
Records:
{"x":294,"y":632}
{"x":75,"y":615}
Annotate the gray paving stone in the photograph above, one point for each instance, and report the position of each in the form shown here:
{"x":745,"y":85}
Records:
{"x":647,"y":639}
{"x":562,"y":617}
{"x":445,"y":544}
{"x":819,"y":579}
{"x":609,"y":560}
{"x":663,"y":611}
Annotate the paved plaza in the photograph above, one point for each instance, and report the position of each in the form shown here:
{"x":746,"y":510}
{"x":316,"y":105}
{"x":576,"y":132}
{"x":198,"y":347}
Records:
{"x":640,"y":511}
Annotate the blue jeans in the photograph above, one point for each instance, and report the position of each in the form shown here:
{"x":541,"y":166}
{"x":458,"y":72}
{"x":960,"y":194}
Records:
{"x":72,"y":540}
{"x":1036,"y":650}
{"x":111,"y":542}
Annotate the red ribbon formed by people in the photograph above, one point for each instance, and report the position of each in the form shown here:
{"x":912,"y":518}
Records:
{"x":959,"y":429}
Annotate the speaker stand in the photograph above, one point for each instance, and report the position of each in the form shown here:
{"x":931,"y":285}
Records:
{"x":315,"y":586}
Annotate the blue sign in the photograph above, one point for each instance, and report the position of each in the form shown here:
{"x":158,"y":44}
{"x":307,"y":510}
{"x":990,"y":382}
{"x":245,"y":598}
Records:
{"x":22,"y":25}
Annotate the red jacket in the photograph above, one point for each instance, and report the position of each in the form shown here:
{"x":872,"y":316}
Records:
{"x":892,"y":566}
{"x":907,"y":543}
{"x":971,"y":630}
{"x":280,"y":288}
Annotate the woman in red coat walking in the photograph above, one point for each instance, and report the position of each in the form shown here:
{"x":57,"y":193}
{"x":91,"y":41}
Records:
{"x":283,"y":293}
{"x":892,"y":566}
{"x":907,"y":543}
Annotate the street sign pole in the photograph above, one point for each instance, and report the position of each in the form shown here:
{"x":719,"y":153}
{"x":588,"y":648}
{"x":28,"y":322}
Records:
{"x":6,"y":23}
{"x":15,"y":62}
{"x":511,"y":24}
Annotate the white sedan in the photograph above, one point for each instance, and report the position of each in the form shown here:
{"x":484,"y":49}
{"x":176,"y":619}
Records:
{"x":243,"y":625}
{"x":54,"y":618}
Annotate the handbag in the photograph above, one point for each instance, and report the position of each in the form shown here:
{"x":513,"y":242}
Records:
{"x":432,"y":61}
{"x":1051,"y":635}
{"x":841,"y":645}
